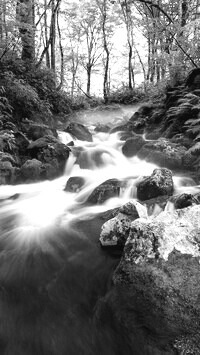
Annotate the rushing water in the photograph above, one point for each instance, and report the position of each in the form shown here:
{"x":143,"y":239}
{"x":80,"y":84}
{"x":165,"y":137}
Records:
{"x":53,"y":272}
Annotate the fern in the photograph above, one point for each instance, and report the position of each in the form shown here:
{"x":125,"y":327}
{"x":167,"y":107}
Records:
{"x":192,"y":121}
{"x":195,"y":149}
{"x":197,"y":137}
{"x":193,"y":127}
{"x":194,"y":130}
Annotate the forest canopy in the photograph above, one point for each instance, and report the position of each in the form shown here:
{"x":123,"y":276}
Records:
{"x":96,"y":48}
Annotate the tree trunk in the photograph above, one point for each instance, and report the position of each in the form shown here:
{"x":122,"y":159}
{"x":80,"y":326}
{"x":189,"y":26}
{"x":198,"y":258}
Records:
{"x":89,"y":70}
{"x":130,"y":69}
{"x":53,"y":37}
{"x":149,"y":59}
{"x":2,"y":17}
{"x":25,"y":17}
{"x":105,"y":45}
{"x":46,"y":35}
{"x":105,"y":81}
{"x":61,"y":53}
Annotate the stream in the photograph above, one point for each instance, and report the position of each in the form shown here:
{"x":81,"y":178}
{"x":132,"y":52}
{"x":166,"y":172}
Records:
{"x":53,"y":273}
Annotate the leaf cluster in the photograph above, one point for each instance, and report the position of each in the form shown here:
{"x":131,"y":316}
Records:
{"x":30,"y":91}
{"x":193,"y":128}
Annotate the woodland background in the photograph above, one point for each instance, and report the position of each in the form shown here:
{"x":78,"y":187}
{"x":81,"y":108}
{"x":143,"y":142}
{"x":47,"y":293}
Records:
{"x":60,"y":55}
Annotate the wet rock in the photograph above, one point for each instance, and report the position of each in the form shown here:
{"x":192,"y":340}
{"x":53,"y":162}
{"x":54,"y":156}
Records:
{"x":120,"y":128}
{"x":109,"y":188}
{"x":74,"y":184}
{"x":79,"y":131}
{"x":102,"y":128}
{"x":125,"y":135}
{"x":132,"y":145}
{"x":163,"y":153}
{"x":160,"y":183}
{"x":50,"y":151}
{"x":35,"y":131}
{"x":156,"y":205}
{"x":6,"y":172}
{"x":183,"y":200}
{"x":31,"y":170}
{"x":115,"y":231}
{"x":158,"y":281}
{"x":70,"y":144}
{"x":8,"y":168}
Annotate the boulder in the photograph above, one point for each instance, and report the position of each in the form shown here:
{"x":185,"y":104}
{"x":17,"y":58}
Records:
{"x":132,"y":145}
{"x":102,"y":128}
{"x":31,"y":170}
{"x":51,"y":152}
{"x":8,"y":168}
{"x":183,"y":200}
{"x":108,"y":189}
{"x":121,"y":128}
{"x":74,"y":184}
{"x":79,"y":131}
{"x":160,"y":183}
{"x":163,"y":153}
{"x":158,"y":281}
{"x":35,"y":130}
{"x":6,"y":172}
{"x":115,"y":231}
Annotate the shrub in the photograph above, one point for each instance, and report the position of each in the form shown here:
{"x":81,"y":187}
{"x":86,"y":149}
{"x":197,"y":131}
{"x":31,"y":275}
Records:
{"x":124,"y":95}
{"x":5,"y":107}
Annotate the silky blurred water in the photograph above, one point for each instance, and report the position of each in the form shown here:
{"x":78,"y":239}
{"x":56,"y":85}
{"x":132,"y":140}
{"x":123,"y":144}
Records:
{"x":53,"y":273}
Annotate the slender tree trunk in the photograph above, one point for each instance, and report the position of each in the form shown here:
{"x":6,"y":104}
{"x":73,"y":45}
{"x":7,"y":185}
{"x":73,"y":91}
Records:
{"x":105,"y":81}
{"x":61,"y":53}
{"x":149,"y":60}
{"x":25,"y":17}
{"x":46,"y":35}
{"x":2,"y":8}
{"x":50,"y":39}
{"x":89,"y":71}
{"x":73,"y":85}
{"x":130,"y":68}
{"x":53,"y":37}
{"x":107,"y":58}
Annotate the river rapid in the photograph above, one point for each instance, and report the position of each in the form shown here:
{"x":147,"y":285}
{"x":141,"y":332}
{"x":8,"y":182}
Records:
{"x":53,"y":273}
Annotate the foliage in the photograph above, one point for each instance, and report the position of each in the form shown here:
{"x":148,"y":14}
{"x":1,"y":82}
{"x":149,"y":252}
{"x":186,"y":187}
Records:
{"x":195,"y":149}
{"x":156,"y":91}
{"x":193,"y":128}
{"x":31,"y":91}
{"x":124,"y":95}
{"x":5,"y":107}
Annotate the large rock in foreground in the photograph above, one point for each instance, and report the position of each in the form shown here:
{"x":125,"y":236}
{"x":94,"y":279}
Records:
{"x":158,"y":282}
{"x":115,"y":231}
{"x":160,"y":183}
